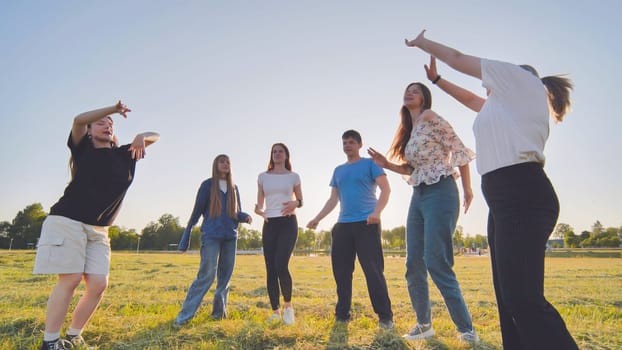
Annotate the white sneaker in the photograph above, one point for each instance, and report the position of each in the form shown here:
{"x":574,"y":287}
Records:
{"x":420,"y":331}
{"x":469,"y":337}
{"x":275,"y":317}
{"x":288,"y":315}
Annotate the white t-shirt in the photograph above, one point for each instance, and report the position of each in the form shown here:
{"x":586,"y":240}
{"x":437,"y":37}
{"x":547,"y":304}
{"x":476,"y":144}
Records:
{"x":513,"y":125}
{"x":278,"y":188}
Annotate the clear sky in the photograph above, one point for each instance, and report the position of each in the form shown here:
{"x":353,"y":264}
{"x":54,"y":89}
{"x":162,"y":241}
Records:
{"x":235,"y":77}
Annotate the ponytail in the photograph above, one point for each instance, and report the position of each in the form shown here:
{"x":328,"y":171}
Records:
{"x":558,"y":90}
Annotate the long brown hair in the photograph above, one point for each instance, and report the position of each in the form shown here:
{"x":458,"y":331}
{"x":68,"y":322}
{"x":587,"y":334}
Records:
{"x":288,"y":164}
{"x":402,"y":135}
{"x":215,"y":204}
{"x":558,"y":89}
{"x":558,"y":92}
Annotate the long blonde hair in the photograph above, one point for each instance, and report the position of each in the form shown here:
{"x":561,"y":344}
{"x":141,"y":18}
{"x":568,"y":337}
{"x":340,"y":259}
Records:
{"x":215,"y":206}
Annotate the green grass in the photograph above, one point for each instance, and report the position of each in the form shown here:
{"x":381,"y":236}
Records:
{"x":146,"y":292}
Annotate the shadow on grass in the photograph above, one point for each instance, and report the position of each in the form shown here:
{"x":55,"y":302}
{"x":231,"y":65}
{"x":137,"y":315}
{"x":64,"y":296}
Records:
{"x":338,"y":338}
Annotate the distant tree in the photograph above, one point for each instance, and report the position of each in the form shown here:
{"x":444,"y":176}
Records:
{"x":571,"y":240}
{"x":158,"y":235}
{"x":560,"y":231}
{"x":458,"y":238}
{"x":26,"y":226}
{"x":5,"y":241}
{"x":326,"y":239}
{"x":585,"y":235}
{"x":394,"y":238}
{"x":122,"y":238}
{"x":597,"y":228}
{"x":248,"y":239}
{"x":306,"y":239}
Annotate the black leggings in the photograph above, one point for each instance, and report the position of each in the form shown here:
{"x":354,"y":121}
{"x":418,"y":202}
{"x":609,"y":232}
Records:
{"x":523,"y":212}
{"x":279,"y":238}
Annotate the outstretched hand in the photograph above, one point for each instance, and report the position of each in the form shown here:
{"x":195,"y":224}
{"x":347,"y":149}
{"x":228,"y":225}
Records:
{"x":138,"y":147}
{"x":122,"y":109}
{"x":416,"y":42}
{"x":377,"y":157}
{"x":431,"y":71}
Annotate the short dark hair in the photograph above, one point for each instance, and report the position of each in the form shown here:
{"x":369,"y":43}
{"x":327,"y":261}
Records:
{"x":352,"y":134}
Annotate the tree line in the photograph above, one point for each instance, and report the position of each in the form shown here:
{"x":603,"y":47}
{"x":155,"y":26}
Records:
{"x":164,"y":234}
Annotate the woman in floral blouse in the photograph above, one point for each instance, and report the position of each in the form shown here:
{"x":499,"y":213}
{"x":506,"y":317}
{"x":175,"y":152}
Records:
{"x":427,"y":151}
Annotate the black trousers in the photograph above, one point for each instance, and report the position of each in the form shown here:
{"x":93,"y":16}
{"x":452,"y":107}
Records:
{"x":279,"y":239}
{"x":362,"y":240}
{"x":523,"y":212}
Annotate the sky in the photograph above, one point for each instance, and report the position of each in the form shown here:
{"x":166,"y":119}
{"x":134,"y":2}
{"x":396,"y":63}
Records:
{"x":235,"y":77}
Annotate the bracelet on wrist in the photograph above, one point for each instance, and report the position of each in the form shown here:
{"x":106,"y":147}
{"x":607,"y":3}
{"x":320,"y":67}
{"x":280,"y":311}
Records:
{"x":438,"y":77}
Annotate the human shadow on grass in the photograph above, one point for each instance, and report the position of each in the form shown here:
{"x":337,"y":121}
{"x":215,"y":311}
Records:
{"x":338,"y":338}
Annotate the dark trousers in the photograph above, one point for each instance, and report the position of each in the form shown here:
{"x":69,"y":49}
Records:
{"x":362,"y":240}
{"x":523,"y":212}
{"x":279,"y":238}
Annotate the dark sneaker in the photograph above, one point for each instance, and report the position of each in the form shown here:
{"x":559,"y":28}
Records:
{"x":57,"y":344}
{"x":386,"y":324}
{"x":420,"y":331}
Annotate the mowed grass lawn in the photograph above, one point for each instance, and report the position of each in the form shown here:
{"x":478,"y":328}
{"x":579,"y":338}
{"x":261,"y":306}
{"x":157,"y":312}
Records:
{"x":146,"y":291}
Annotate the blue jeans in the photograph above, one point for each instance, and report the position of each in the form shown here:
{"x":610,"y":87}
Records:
{"x":431,"y":222}
{"x":217,"y":260}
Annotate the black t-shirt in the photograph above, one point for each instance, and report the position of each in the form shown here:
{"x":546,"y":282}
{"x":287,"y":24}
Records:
{"x":102,"y":177}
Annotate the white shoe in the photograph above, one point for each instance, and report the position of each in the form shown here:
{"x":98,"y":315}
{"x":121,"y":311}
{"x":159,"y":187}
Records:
{"x":275,"y":317}
{"x":288,"y":315}
{"x":469,"y":337}
{"x":420,"y":331}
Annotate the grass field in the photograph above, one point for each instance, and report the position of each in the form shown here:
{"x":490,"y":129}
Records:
{"x":146,"y":291}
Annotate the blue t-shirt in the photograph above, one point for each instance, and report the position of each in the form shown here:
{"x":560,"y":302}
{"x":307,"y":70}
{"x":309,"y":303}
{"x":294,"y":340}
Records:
{"x":357,"y":189}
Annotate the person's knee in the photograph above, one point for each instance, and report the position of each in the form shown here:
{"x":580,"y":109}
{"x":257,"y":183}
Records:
{"x":96,"y":285}
{"x":69,"y":282}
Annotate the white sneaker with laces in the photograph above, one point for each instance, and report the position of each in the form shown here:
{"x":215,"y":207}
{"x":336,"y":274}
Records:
{"x":469,"y":337}
{"x":288,"y":315}
{"x":420,"y":331}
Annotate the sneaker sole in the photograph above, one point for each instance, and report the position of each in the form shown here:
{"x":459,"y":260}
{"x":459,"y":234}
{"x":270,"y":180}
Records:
{"x":424,"y":335}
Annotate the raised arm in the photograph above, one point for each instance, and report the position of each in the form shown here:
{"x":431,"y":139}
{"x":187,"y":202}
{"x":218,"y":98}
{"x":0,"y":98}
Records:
{"x":141,"y":141}
{"x":331,"y":203}
{"x":82,"y":120}
{"x":462,"y":95}
{"x":382,"y":161}
{"x":466,"y":64}
{"x":383,"y":199}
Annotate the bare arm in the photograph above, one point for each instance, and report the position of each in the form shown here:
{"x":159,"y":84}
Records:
{"x":82,"y":120}
{"x":260,"y":200}
{"x":383,"y":199}
{"x":331,"y":203}
{"x":462,"y":95}
{"x":141,"y":141}
{"x":382,"y":161}
{"x":290,"y":206}
{"x":470,"y":65}
{"x":465,"y":175}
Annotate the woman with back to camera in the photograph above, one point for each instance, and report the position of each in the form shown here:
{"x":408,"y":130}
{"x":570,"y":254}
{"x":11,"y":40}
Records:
{"x":511,"y":129}
{"x":218,"y":201}
{"x":428,"y":151}
{"x":74,"y":239}
{"x":279,"y":189}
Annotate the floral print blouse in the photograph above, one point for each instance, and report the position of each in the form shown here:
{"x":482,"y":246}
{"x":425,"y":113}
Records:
{"x":434,"y":150}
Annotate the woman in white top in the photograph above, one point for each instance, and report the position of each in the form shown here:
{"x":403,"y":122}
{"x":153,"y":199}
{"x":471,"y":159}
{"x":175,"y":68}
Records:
{"x":511,"y":129}
{"x":279,"y":189}
{"x":428,"y":151}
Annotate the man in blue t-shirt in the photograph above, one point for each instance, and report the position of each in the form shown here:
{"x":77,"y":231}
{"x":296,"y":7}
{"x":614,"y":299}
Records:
{"x":357,"y":232}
